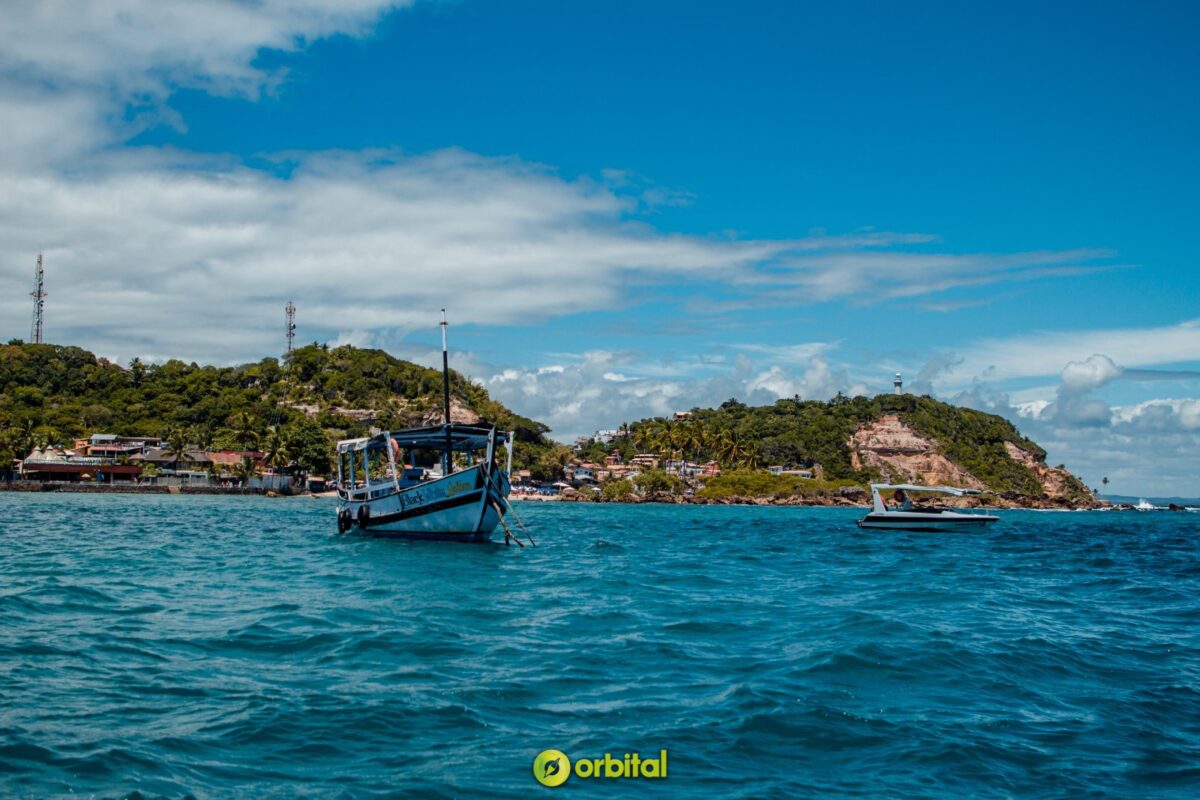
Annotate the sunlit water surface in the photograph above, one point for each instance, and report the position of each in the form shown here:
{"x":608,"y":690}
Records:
{"x":233,"y":647}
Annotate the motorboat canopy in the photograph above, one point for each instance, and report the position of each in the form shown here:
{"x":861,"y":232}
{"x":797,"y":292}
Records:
{"x":879,"y":506}
{"x":918,"y":518}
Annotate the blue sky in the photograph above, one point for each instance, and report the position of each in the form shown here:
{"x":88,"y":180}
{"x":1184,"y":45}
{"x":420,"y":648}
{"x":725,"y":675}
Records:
{"x":634,"y":207}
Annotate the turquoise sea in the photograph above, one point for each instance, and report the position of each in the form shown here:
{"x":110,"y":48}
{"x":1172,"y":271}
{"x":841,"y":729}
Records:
{"x":238,"y":647}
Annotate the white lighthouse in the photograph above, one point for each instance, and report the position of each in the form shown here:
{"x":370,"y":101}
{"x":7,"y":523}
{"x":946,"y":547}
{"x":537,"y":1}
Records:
{"x":898,"y":384}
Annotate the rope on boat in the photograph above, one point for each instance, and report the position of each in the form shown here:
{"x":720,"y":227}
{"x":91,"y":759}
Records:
{"x":528,"y":535}
{"x":507,"y":533}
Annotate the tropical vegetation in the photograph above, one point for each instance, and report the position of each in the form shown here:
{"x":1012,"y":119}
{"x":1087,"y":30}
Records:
{"x":292,"y":410}
{"x":814,"y":434}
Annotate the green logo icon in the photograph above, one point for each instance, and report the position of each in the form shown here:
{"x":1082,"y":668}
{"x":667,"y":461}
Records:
{"x":551,"y":767}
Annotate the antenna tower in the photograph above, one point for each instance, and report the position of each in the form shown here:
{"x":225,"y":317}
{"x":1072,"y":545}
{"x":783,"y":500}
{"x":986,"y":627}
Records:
{"x":291,"y":325}
{"x":39,"y":301}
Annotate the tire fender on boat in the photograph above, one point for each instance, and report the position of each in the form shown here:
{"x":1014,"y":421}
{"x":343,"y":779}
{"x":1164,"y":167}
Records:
{"x":364,"y":514}
{"x":345,"y":520}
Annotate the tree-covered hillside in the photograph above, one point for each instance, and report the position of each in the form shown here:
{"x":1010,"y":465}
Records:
{"x":804,"y":433}
{"x":53,"y":394}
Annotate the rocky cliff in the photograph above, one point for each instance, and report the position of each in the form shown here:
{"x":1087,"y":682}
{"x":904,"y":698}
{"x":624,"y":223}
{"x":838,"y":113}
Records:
{"x":891,"y":447}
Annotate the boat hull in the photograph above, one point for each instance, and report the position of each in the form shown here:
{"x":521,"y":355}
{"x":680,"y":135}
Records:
{"x":931,"y":523}
{"x":461,"y":507}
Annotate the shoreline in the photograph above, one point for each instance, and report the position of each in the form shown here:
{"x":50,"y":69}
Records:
{"x":34,"y":487}
{"x":37,"y":487}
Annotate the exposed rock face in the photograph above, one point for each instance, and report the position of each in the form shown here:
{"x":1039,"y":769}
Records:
{"x":1055,"y":482}
{"x":904,"y":457}
{"x":408,"y":411}
{"x":458,"y":413}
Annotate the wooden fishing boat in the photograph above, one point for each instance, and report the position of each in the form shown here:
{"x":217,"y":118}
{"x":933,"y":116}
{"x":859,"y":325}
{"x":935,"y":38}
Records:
{"x":442,"y":482}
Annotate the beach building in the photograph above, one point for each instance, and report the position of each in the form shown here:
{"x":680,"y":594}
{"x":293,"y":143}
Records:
{"x":110,"y":445}
{"x":581,"y":473}
{"x":799,"y":473}
{"x":646,"y":461}
{"x":53,"y":464}
{"x":195,"y":467}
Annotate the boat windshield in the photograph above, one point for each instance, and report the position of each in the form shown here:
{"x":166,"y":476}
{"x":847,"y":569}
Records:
{"x":405,"y":458}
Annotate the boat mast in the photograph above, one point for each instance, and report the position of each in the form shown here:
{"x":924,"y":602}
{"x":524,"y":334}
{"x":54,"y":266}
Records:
{"x":446,"y":457}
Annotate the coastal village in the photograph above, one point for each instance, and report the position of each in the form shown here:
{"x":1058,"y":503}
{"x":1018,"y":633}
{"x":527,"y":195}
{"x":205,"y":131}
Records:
{"x":106,"y":461}
{"x":110,"y":460}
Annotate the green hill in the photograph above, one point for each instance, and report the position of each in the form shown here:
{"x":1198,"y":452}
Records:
{"x":52,"y":394}
{"x":804,"y":433}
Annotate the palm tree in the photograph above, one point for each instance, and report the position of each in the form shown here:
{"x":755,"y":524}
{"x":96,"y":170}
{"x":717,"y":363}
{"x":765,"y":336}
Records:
{"x":245,"y":470}
{"x":642,"y":436}
{"x":176,"y":445}
{"x":8,"y":453}
{"x":729,"y":450}
{"x":275,"y":448}
{"x":137,"y":371}
{"x":670,"y":438}
{"x":243,"y":425}
{"x":695,"y":438}
{"x":26,"y":439}
{"x":203,"y":437}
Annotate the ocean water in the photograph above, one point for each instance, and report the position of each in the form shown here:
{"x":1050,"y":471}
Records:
{"x":238,"y":647}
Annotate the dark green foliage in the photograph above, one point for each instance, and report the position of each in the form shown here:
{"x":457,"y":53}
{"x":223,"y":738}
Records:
{"x":656,"y":481}
{"x":616,"y":490}
{"x":307,"y":445}
{"x":56,"y":394}
{"x":802,"y":433}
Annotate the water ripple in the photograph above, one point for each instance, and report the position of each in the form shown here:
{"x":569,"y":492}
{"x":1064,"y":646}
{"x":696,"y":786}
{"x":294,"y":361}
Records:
{"x":238,"y":647}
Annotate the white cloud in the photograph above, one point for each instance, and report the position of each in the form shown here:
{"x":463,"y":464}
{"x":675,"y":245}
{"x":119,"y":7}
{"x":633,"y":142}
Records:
{"x":1160,"y":414}
{"x":591,"y":394}
{"x":1047,"y":352}
{"x":869,"y":277}
{"x":78,"y":75}
{"x":147,"y":47}
{"x":1091,"y":373}
{"x":361,"y":242}
{"x":801,"y":353}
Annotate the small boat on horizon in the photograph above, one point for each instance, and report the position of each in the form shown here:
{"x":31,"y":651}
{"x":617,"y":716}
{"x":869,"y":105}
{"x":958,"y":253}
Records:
{"x":906,"y":516}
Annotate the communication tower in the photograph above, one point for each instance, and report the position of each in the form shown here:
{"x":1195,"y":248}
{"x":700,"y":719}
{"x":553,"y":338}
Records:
{"x":39,"y":301}
{"x":291,"y":325}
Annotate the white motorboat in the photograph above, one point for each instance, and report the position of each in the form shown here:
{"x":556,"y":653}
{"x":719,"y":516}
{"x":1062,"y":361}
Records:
{"x":905,"y":516}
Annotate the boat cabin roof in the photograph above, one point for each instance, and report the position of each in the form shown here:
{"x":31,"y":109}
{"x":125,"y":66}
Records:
{"x":462,"y":438}
{"x":877,"y":487}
